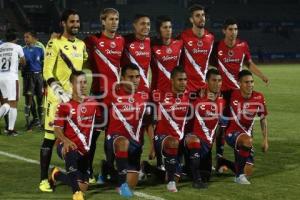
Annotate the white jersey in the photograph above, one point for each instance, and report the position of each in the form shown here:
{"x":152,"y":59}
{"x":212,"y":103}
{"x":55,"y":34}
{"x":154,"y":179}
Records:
{"x":10,"y":54}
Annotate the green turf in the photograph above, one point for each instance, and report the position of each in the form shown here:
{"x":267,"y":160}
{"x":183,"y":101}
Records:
{"x":276,"y":174}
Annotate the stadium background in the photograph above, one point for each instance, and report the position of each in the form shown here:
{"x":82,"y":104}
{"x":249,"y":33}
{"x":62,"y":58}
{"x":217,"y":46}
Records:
{"x":271,"y":27}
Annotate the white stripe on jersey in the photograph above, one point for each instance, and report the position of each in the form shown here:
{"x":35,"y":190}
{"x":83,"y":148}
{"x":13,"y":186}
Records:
{"x":228,"y":74}
{"x":194,"y":64}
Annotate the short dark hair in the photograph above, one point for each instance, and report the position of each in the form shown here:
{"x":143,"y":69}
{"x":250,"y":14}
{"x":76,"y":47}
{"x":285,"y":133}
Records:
{"x":177,"y":70}
{"x":228,"y":22}
{"x":138,"y":16}
{"x":129,"y":66}
{"x":161,"y":19}
{"x":66,"y":13}
{"x":210,"y":72}
{"x":10,"y":35}
{"x":243,"y":73}
{"x":75,"y":74}
{"x":31,"y":32}
{"x":194,"y":8}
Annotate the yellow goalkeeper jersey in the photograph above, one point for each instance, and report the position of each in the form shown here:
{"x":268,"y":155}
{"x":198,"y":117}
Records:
{"x":62,"y":56}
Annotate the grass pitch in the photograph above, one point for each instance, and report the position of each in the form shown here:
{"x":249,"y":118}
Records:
{"x":276,"y":175}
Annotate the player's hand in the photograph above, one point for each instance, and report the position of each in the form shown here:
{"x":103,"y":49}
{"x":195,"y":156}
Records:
{"x":68,"y":145}
{"x":265,"y":146}
{"x":151,"y":155}
{"x":265,"y":79}
{"x":60,"y":93}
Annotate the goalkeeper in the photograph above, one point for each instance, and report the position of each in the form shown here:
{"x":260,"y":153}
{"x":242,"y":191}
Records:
{"x":64,"y":54}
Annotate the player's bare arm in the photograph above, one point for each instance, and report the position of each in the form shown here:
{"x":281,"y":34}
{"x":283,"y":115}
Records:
{"x":253,"y":68}
{"x":264,"y":129}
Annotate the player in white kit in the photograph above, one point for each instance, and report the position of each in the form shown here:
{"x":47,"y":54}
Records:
{"x":11,"y":56}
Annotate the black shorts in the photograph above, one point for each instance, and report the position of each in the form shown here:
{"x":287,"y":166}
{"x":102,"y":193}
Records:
{"x":75,"y":161}
{"x":33,"y":83}
{"x":134,"y":152}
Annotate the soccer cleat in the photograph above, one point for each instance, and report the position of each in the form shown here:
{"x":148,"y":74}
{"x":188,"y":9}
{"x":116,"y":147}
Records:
{"x":242,"y":179}
{"x":100,"y":180}
{"x":92,"y":180}
{"x":199,"y":184}
{"x":171,"y":186}
{"x":45,"y":186}
{"x":54,"y":170}
{"x":125,"y":191}
{"x":12,"y":133}
{"x":78,"y":195}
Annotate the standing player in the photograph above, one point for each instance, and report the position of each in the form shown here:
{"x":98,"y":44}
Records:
{"x":33,"y":79}
{"x":229,"y":55}
{"x":124,"y":137}
{"x":63,"y":55}
{"x":105,"y":51}
{"x":245,"y":104}
{"x":166,"y":53}
{"x":73,"y":127}
{"x":138,"y":50}
{"x":171,"y":114}
{"x":198,"y":43}
{"x":11,"y":56}
{"x":207,"y":111}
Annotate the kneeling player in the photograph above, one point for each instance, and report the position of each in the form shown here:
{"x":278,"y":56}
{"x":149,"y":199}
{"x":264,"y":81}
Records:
{"x":245,"y":104}
{"x":124,"y":137}
{"x":199,"y":142}
{"x":73,"y":126}
{"x":171,"y":110}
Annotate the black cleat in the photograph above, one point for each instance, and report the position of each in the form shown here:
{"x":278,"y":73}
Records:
{"x":199,"y":184}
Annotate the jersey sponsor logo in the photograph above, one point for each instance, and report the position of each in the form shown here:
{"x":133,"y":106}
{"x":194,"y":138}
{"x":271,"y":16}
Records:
{"x":198,"y":51}
{"x":142,"y":53}
{"x":232,"y":60}
{"x":112,"y":52}
{"x":167,"y":58}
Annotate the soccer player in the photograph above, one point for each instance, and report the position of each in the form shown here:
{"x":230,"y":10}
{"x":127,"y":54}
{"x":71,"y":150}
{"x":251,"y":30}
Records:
{"x":12,"y":56}
{"x":105,"y":51}
{"x":198,"y":43}
{"x":124,"y":137}
{"x":63,"y":55}
{"x":33,"y":84}
{"x":166,"y":53}
{"x":171,"y":115}
{"x":73,"y":127}
{"x":138,"y":50}
{"x":245,"y":104}
{"x":207,"y":111}
{"x":229,"y":55}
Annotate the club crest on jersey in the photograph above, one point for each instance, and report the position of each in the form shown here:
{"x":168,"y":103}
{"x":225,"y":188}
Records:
{"x":113,"y":45}
{"x":177,"y":100}
{"x":169,"y":50}
{"x":246,"y":105}
{"x":142,"y":46}
{"x":131,"y":100}
{"x":83,"y":109}
{"x":199,"y":43}
{"x":190,"y":43}
{"x":230,"y":53}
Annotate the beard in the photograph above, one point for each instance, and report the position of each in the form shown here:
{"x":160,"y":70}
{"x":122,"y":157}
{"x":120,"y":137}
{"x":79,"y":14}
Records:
{"x":73,"y":31}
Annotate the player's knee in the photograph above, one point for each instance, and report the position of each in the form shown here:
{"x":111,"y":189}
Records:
{"x":244,"y":151}
{"x":170,"y":146}
{"x":48,"y":143}
{"x":245,"y":140}
{"x":83,"y":186}
{"x":193,"y":142}
{"x":121,"y":144}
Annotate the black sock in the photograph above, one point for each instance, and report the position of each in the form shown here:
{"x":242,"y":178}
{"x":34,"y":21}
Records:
{"x":122,"y":165}
{"x":71,"y":160}
{"x":27,"y":114}
{"x":62,"y":177}
{"x":92,"y":151}
{"x":45,"y":157}
{"x":40,"y":107}
{"x":170,"y":162}
{"x":6,"y":121}
{"x":33,"y":109}
{"x":195,"y":163}
{"x":220,"y":141}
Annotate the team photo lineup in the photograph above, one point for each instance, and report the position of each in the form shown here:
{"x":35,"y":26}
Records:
{"x":182,"y":95}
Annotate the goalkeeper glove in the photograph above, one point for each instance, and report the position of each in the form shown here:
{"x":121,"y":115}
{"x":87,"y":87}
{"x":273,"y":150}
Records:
{"x":60,"y":93}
